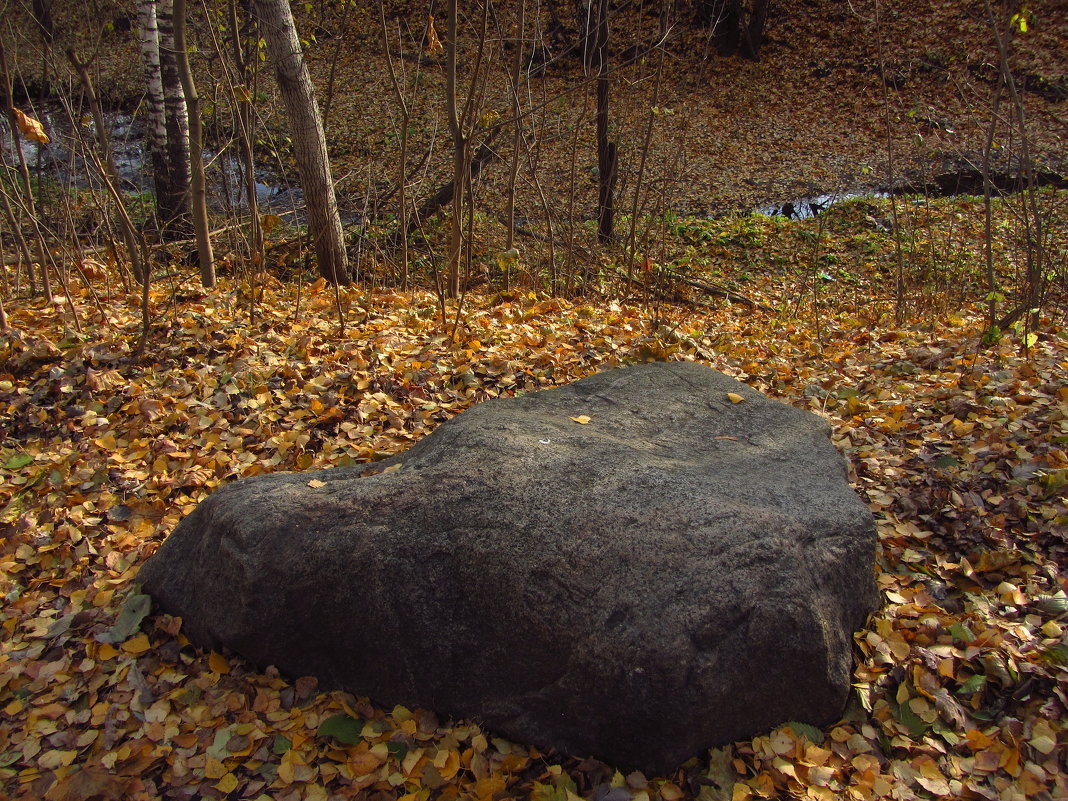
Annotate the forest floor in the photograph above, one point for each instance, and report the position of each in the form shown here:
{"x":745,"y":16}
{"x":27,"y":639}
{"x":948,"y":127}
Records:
{"x":845,"y":97}
{"x":958,"y":447}
{"x":957,"y":444}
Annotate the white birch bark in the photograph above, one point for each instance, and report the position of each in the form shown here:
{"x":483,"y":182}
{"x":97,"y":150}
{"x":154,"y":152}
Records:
{"x":149,"y":36}
{"x":167,"y":114}
{"x":177,"y":115}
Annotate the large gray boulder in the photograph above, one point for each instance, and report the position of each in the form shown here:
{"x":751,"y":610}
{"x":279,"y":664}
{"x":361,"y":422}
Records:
{"x":681,"y":571}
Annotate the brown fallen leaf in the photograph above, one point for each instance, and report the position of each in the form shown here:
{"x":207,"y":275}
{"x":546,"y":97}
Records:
{"x":87,"y":784}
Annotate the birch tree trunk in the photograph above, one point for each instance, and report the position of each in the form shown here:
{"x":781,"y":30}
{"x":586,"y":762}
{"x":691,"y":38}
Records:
{"x":197,"y":197}
{"x":167,"y":115}
{"x":306,"y":129}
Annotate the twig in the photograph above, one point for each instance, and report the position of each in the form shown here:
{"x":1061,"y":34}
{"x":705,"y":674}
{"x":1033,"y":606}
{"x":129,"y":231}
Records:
{"x":715,"y":289}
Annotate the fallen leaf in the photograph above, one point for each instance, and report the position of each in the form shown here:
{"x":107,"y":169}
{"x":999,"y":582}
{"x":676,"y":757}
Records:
{"x":135,"y":608}
{"x":137,"y":644}
{"x":343,"y":728}
{"x":31,"y":128}
{"x":433,"y":43}
{"x":218,"y":663}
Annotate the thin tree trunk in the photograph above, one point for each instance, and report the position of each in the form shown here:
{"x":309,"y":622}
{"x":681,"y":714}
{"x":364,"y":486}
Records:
{"x":107,"y":165}
{"x":586,"y":38}
{"x":306,"y":131}
{"x":1035,"y":278}
{"x":402,"y":168}
{"x":168,"y":203}
{"x":197,"y":196}
{"x":988,"y":194}
{"x":606,"y":149}
{"x":646,"y":145}
{"x":24,"y":174}
{"x":754,"y":31}
{"x":459,"y":155}
{"x":175,"y":214}
{"x":243,"y":66}
{"x":16,"y":232}
{"x":517,"y":66}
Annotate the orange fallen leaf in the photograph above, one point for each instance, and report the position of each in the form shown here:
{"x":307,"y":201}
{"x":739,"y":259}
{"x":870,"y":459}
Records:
{"x":137,"y":644}
{"x":31,"y":128}
{"x":217,"y":662}
{"x":433,"y":43}
{"x":365,"y":763}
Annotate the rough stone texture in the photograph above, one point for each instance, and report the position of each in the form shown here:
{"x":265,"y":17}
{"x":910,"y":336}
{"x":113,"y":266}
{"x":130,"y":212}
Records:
{"x":681,"y":572}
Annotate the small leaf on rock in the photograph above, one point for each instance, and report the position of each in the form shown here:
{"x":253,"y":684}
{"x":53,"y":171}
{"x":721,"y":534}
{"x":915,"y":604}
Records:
{"x":734,"y":397}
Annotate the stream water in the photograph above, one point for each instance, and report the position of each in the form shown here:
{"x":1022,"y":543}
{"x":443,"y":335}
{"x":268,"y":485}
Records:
{"x":64,"y":160}
{"x":805,"y":207}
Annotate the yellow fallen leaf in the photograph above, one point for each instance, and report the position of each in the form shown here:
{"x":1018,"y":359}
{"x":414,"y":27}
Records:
{"x":316,"y":483}
{"x":433,"y":43}
{"x":1043,"y":744}
{"x":488,"y":787}
{"x":734,"y":397}
{"x":51,"y":760}
{"x":449,"y":766}
{"x":270,"y":222}
{"x":106,"y":651}
{"x":217,"y":662}
{"x":137,"y":644}
{"x":227,"y":784}
{"x":582,"y":418}
{"x":214,"y":769}
{"x":31,"y":128}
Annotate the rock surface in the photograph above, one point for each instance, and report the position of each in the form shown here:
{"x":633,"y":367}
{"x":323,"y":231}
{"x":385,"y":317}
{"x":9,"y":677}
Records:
{"x":682,"y":571}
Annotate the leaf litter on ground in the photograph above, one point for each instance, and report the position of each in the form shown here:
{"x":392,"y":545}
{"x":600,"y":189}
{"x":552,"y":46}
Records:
{"x":961,"y":678}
